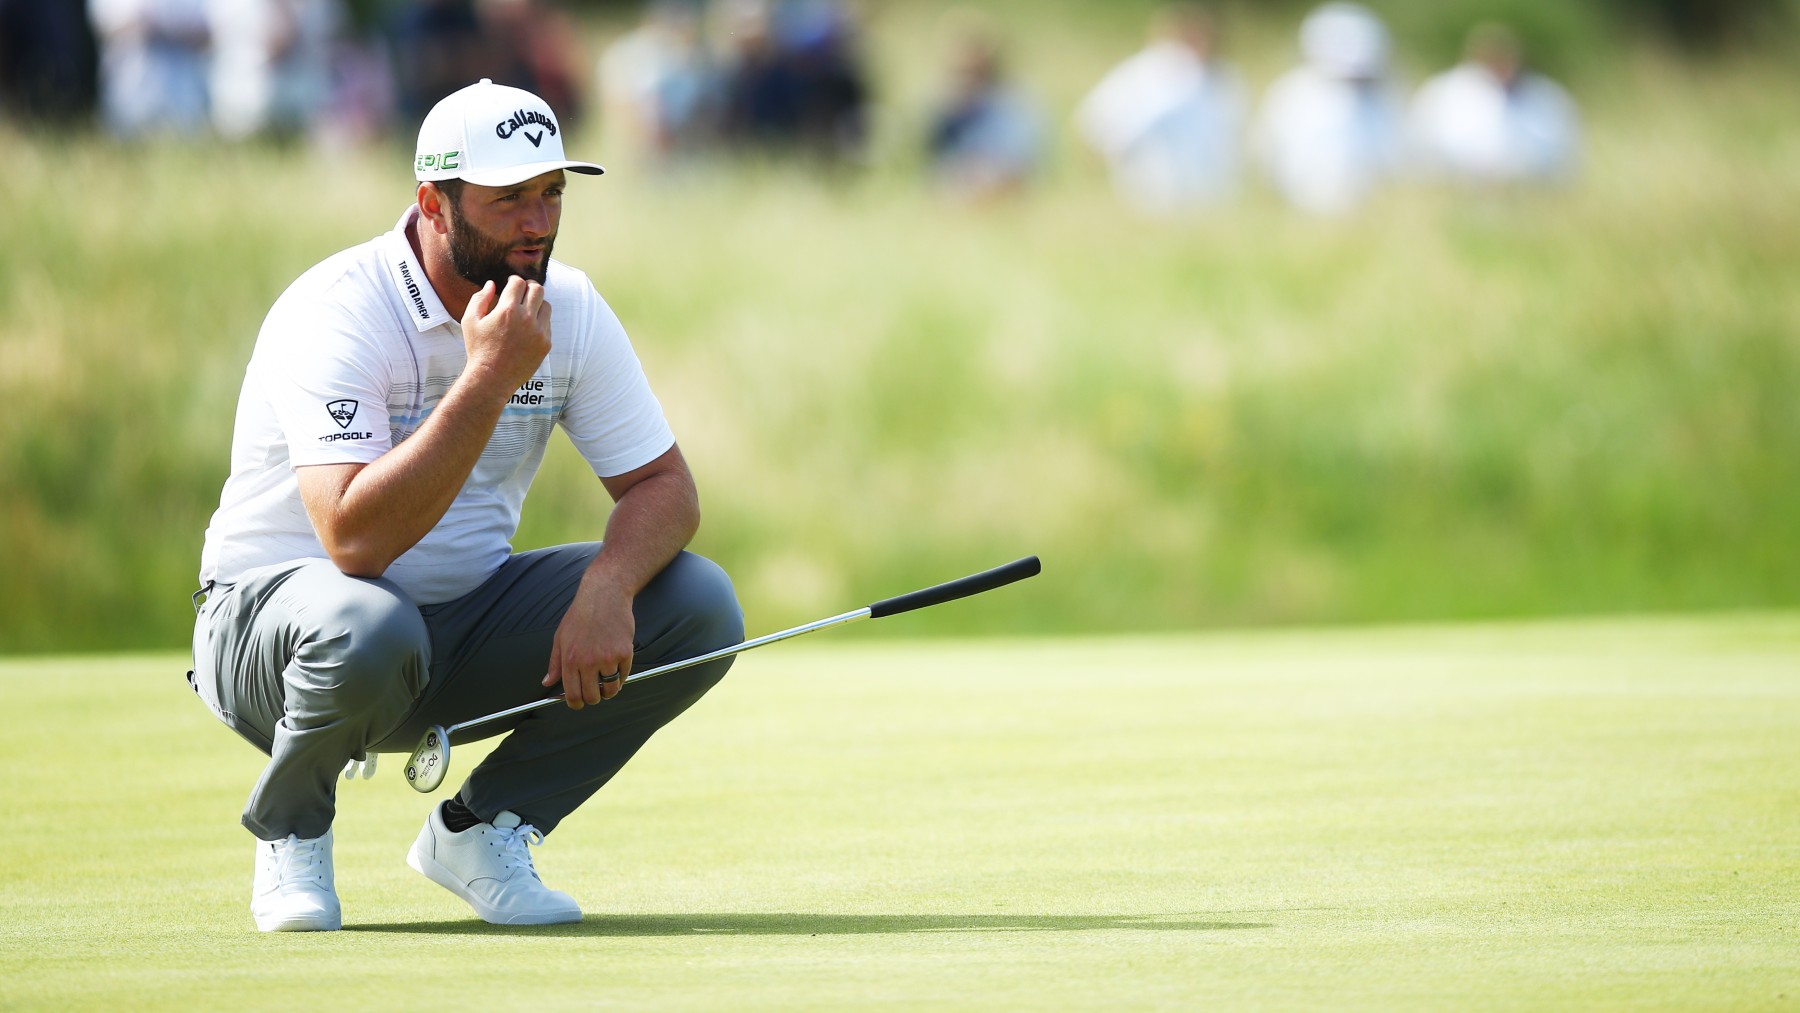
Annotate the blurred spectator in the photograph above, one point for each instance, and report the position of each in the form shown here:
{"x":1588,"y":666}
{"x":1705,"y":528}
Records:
{"x":761,"y":88}
{"x":823,"y":42}
{"x":534,"y":45}
{"x":362,"y":94}
{"x":1489,"y":120}
{"x":1328,"y":131}
{"x":272,"y":64}
{"x":1168,"y":119}
{"x":437,"y":48}
{"x":659,"y":83}
{"x":795,"y":80}
{"x":48,"y":69}
{"x":155,"y":59}
{"x":986,"y":137}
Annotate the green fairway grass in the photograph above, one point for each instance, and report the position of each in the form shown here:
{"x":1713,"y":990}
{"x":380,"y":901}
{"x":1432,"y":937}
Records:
{"x":1557,"y":816}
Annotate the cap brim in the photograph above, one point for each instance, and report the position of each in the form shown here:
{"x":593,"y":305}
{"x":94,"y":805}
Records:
{"x":520,"y":173}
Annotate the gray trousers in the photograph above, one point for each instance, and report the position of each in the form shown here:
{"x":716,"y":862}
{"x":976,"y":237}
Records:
{"x":316,"y":668}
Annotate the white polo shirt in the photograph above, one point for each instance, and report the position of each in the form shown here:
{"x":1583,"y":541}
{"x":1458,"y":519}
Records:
{"x":356,"y":355}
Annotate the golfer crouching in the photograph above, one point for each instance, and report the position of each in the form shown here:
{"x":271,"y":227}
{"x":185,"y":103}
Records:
{"x":358,"y":584}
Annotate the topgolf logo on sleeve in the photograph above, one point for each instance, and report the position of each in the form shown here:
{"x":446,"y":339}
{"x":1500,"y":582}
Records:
{"x":343,"y":412}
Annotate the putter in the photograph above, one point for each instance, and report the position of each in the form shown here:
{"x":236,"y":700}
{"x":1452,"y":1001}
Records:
{"x":426,"y":767}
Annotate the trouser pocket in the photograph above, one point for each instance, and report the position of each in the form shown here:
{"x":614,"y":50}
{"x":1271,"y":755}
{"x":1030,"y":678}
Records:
{"x":207,"y":677}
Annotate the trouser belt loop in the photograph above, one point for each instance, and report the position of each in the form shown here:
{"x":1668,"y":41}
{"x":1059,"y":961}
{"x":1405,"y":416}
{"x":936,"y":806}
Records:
{"x":200,"y":595}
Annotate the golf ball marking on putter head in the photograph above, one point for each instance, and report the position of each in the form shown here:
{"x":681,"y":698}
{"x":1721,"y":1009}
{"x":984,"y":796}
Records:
{"x":426,"y":768}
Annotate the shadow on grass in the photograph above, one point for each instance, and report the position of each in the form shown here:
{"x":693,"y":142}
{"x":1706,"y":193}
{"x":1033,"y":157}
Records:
{"x":801,"y":924}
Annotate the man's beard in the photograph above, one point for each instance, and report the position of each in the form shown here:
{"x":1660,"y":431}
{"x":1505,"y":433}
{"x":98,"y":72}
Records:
{"x":481,"y":258}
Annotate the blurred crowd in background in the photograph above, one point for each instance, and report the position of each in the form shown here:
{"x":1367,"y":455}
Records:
{"x":1177,"y":127}
{"x":1170,"y":120}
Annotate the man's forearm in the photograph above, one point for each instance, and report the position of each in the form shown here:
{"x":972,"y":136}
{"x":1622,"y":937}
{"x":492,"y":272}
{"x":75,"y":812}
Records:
{"x":655,"y":512}
{"x":367,"y":515}
{"x":386,"y":507}
{"x":651,"y":522}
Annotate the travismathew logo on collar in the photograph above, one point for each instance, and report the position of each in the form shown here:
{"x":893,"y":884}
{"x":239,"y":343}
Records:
{"x":522,"y":118}
{"x":412,"y":289}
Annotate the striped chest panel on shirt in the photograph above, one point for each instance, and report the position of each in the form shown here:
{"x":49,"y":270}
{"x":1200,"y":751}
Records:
{"x":423,"y":377}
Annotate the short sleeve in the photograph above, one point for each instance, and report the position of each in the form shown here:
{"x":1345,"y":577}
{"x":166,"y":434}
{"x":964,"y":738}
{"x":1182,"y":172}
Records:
{"x":326,"y":377}
{"x":612,"y":417}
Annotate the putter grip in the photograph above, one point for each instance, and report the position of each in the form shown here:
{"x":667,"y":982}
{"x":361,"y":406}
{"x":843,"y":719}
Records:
{"x":974,"y":583}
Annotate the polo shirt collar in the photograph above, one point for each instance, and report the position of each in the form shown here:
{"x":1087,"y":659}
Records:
{"x":420,"y":300}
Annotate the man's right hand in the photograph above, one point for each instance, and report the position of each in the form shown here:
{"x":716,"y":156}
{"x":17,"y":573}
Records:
{"x":507,"y":331}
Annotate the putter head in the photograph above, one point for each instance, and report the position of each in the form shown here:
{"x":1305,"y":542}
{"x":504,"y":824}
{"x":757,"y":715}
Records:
{"x":426,"y":767}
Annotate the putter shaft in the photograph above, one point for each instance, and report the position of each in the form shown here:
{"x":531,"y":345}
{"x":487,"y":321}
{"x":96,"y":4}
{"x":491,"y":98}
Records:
{"x":675,"y":666}
{"x":430,"y":760}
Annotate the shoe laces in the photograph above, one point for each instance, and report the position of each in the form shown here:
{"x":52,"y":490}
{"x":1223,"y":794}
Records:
{"x":297,"y":859}
{"x":515,"y":846}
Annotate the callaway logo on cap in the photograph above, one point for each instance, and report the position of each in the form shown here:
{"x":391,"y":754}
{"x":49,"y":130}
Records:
{"x":492,"y":135}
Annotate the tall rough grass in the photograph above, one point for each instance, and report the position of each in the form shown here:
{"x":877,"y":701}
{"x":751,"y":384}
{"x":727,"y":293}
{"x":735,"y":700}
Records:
{"x":1448,"y":406}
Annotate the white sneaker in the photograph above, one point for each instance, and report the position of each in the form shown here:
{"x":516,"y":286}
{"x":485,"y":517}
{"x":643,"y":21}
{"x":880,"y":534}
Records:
{"x":489,"y":865}
{"x":294,"y":890}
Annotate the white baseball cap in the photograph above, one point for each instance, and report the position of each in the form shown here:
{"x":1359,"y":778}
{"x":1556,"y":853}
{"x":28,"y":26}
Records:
{"x":492,"y":135}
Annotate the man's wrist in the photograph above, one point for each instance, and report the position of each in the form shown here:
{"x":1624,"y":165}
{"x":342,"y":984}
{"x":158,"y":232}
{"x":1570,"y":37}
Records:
{"x":607,"y":586}
{"x":486,"y":382}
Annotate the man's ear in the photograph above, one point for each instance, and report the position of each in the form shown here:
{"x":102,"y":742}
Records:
{"x":434,"y":207}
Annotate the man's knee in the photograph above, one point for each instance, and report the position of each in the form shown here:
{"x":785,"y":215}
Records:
{"x":369,"y":646}
{"x":709,"y":605}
